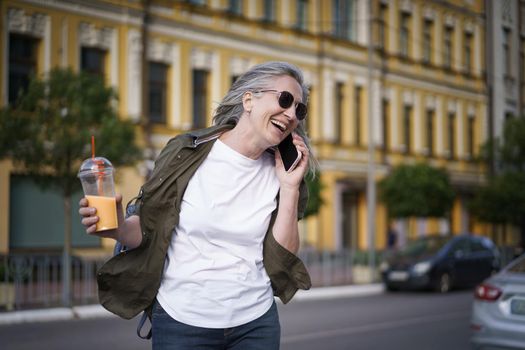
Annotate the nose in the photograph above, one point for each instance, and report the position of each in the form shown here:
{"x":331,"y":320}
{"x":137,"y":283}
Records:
{"x":290,"y":112}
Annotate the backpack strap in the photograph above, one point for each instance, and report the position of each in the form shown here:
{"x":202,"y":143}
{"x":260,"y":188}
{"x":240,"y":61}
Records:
{"x":142,"y":321}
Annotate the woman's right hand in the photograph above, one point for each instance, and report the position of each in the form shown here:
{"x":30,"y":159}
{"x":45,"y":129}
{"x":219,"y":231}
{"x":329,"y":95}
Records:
{"x":90,"y":218}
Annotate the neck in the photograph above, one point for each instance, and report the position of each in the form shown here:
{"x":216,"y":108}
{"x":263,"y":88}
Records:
{"x":243,"y":140}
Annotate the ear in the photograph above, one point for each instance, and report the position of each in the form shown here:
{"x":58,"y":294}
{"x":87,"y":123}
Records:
{"x":247,"y":101}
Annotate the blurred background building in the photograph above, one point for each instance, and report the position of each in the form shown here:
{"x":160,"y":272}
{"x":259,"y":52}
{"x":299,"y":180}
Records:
{"x":444,"y":76}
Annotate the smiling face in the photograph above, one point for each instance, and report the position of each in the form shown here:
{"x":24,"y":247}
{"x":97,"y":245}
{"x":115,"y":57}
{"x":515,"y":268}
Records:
{"x":271,"y":123}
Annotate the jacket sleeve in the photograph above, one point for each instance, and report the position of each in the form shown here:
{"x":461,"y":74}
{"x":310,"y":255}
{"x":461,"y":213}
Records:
{"x":286,"y":271}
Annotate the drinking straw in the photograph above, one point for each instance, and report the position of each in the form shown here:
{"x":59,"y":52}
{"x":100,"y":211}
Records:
{"x":92,"y":146}
{"x":99,"y":172}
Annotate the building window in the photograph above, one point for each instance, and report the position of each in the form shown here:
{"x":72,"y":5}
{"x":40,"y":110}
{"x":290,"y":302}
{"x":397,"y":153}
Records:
{"x":200,"y":97}
{"x":339,"y":103}
{"x":269,"y":11}
{"x":386,"y":124}
{"x":302,"y":14}
{"x":235,"y":7}
{"x":22,"y":64}
{"x":357,"y":114}
{"x":430,"y":133}
{"x":427,"y":40}
{"x":470,"y":135}
{"x":383,"y":15}
{"x":407,"y":128}
{"x":467,"y":56}
{"x":157,"y":92}
{"x":507,"y":60}
{"x":343,"y":18}
{"x":92,"y":61}
{"x":451,"y":134}
{"x":404,"y":34}
{"x":196,"y":2}
{"x":447,"y":47}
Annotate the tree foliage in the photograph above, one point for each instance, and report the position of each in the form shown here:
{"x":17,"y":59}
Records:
{"x":314,"y":194}
{"x":48,"y":130}
{"x":416,"y":190}
{"x":502,"y":200}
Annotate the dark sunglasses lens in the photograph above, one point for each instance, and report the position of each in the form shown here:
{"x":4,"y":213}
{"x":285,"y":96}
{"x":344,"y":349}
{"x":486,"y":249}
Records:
{"x":285,"y":99}
{"x":300,"y":111}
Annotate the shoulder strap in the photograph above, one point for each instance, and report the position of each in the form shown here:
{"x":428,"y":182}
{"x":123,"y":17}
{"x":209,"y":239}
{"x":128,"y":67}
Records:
{"x":142,"y":321}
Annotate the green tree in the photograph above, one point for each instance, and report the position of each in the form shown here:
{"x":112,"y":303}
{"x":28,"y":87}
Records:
{"x":502,"y":199}
{"x":416,"y":190}
{"x":315,"y":201}
{"x":47,"y":133}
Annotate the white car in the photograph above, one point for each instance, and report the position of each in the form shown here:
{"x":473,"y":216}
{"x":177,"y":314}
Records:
{"x":498,"y":313}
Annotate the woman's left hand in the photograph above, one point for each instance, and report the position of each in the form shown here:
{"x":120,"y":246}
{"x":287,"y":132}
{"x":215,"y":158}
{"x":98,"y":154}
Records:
{"x":293,"y":178}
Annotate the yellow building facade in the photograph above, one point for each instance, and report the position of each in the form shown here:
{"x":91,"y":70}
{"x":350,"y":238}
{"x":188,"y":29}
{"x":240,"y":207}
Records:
{"x":424,"y":79}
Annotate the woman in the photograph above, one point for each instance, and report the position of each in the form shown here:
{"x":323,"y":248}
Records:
{"x":214,"y":231}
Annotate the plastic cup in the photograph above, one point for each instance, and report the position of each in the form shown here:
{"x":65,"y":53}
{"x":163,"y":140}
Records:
{"x":96,"y":176}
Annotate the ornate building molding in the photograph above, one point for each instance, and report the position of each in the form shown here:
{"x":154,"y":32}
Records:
{"x":430,"y":103}
{"x":239,"y":65}
{"x":429,"y":13}
{"x":160,"y":51}
{"x":19,"y":22}
{"x":95,"y":37}
{"x":406,"y":6}
{"x":201,"y":59}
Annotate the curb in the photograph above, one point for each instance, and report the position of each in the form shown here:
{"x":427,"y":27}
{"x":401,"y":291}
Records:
{"x":97,"y":311}
{"x":321,"y":293}
{"x":55,"y":314}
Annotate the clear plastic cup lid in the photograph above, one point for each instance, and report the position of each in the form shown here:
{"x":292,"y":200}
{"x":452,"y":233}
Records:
{"x":97,"y":165}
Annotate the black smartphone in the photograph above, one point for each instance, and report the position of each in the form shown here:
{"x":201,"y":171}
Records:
{"x":289,"y":153}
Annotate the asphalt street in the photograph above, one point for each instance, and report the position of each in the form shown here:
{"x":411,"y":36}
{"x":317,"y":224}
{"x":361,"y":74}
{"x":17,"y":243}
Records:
{"x":385,"y":321}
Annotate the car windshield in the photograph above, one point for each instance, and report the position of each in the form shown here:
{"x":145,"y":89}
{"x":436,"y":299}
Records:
{"x":518,"y":267}
{"x":424,"y":246}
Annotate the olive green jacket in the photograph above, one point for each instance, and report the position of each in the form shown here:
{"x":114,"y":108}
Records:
{"x":128,"y":282}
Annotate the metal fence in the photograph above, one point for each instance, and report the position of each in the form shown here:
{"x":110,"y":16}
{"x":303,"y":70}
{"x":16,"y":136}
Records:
{"x":35,"y":280}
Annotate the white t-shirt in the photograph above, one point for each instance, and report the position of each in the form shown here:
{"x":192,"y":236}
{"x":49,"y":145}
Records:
{"x":214,"y":275}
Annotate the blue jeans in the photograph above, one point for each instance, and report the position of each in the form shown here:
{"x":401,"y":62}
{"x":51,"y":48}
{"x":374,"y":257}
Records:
{"x":263,"y":333}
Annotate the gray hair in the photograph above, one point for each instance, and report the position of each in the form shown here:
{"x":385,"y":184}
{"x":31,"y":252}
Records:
{"x":260,"y":77}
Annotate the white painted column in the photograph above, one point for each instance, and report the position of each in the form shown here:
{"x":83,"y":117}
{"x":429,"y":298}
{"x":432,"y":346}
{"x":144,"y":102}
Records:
{"x":114,"y":55}
{"x":460,"y":126}
{"x":134,"y":75}
{"x":395,"y":122}
{"x":478,"y":53}
{"x":440,"y":110}
{"x":437,"y":47}
{"x":327,"y":117}
{"x":216,"y":79}
{"x":418,"y":131}
{"x":176,"y":88}
{"x":417,"y":30}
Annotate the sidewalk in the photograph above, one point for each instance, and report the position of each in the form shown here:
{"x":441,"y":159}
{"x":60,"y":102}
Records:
{"x":95,"y":311}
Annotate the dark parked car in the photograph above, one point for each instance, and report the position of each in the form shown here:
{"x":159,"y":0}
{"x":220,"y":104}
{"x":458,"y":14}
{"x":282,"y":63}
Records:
{"x":498,"y":312}
{"x":441,"y":262}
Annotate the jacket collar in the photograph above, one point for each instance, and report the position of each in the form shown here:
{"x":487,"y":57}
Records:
{"x":204,"y":135}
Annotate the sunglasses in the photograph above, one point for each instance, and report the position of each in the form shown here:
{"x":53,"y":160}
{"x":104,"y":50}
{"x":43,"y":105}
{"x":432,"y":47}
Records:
{"x":286,"y":100}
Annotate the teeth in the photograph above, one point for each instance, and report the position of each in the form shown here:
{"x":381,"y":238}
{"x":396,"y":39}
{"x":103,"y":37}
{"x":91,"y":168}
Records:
{"x":280,"y":125}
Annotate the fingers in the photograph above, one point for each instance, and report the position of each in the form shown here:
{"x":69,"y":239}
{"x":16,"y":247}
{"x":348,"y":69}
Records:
{"x":301,"y":145}
{"x":89,"y":219}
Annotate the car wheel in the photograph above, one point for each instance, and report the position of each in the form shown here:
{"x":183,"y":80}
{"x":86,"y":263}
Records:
{"x":443,"y":284}
{"x":391,"y":288}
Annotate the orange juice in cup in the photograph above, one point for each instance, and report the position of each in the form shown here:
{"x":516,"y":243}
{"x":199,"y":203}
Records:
{"x":96,"y":176}
{"x":106,"y":211}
